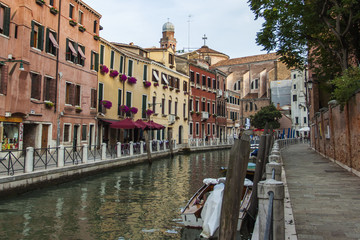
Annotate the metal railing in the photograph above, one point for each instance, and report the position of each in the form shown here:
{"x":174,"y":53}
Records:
{"x":73,"y":155}
{"x":13,"y":161}
{"x":45,"y":157}
{"x":94,"y":152}
{"x":111,"y":150}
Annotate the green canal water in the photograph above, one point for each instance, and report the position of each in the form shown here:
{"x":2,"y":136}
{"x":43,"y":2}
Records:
{"x":136,"y":202}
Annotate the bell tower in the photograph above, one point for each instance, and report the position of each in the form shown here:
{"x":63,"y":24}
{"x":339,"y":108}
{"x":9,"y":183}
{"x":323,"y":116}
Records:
{"x":168,"y":39}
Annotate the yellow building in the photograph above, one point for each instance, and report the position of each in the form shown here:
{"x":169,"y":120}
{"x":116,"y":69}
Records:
{"x":122,"y":76}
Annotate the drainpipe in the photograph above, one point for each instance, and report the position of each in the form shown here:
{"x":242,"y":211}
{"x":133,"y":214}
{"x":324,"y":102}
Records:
{"x":57,"y":89}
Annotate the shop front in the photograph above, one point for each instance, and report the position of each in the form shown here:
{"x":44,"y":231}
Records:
{"x":11,"y":133}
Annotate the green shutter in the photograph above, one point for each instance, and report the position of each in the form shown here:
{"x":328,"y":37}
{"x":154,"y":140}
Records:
{"x":130,"y":68}
{"x":101,"y":54}
{"x":112,"y":60}
{"x":101,"y":86}
{"x":128,"y":99}
{"x":96,"y":62}
{"x":32,"y":34}
{"x":41,"y":38}
{"x":119,"y":101}
{"x":47,"y":40}
{"x":144,"y":103}
{"x":67,"y":50}
{"x":91,"y":60}
{"x":121,"y":64}
{"x":6,"y":21}
{"x":145,"y":73}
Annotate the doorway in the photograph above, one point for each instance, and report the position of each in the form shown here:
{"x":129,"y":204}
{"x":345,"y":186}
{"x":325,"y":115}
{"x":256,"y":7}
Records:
{"x":180,"y":134}
{"x":76,"y":128}
{"x":44,"y":136}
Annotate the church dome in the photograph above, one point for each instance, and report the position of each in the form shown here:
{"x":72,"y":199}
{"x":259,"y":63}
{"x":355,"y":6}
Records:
{"x":168,"y":27}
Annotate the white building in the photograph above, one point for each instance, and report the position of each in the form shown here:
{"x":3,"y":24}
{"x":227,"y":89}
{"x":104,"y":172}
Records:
{"x":299,"y":112}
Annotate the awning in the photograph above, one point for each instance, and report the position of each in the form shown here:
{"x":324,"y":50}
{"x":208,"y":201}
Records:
{"x":154,"y":125}
{"x":53,"y":40}
{"x":125,"y":124}
{"x":165,"y":80}
{"x":156,"y":76}
{"x":72,"y":49}
{"x":81,"y":53}
{"x":304,"y":129}
{"x":109,"y":121}
{"x":142,"y":124}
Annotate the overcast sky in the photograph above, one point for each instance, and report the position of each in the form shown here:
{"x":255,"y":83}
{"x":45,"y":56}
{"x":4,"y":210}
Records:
{"x":228,"y":24}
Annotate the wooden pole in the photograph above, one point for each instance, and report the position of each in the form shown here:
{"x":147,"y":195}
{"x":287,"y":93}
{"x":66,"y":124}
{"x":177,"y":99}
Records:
{"x":147,"y":143}
{"x":235,"y":176}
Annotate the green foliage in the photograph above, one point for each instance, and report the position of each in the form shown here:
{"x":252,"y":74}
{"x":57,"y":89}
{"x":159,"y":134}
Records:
{"x":268,"y":114}
{"x":346,"y":85}
{"x":329,"y":29}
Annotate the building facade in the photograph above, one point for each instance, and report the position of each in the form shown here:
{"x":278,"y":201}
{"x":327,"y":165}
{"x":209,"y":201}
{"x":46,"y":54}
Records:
{"x":48,"y":78}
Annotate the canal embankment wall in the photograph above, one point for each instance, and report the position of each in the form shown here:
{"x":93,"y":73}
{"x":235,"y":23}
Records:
{"x":27,"y":181}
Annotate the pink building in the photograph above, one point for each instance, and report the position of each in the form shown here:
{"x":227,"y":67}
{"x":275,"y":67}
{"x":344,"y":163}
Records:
{"x":48,"y":75}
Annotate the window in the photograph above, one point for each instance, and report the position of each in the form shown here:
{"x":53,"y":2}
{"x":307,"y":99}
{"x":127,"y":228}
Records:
{"x":144,"y":106}
{"x":101,"y":95}
{"x":213,"y":130}
{"x":171,"y":59}
{"x":49,"y":89}
{"x":296,"y":120}
{"x":295,"y":85}
{"x":294,"y":98}
{"x":102,"y":49}
{"x":294,"y":75}
{"x":3,"y":79}
{"x":197,"y":129}
{"x":213,"y":108}
{"x":203,"y":106}
{"x":77,"y":95}
{"x":208,"y":107}
{"x":51,"y":2}
{"x":175,"y":108}
{"x":145,"y":73}
{"x":214,"y":83}
{"x":154,"y":104}
{"x":71,"y":52}
{"x":305,"y":119}
{"x":164,"y":80}
{"x":256,"y":83}
{"x":184,"y":110}
{"x":66,"y":136}
{"x":80,"y":20}
{"x":169,"y":106}
{"x":93,"y":98}
{"x":191,"y":128}
{"x":163,"y":106}
{"x":119,"y":101}
{"x":197,"y":105}
{"x":81,"y":58}
{"x":84,"y":133}
{"x":15,"y":31}
{"x":94,"y":61}
{"x":37,"y":35}
{"x":130,"y":68}
{"x":208,"y":129}
{"x":121,"y":69}
{"x":35,"y":86}
{"x":4,"y":20}
{"x":112,"y":56}
{"x":185,"y":86}
{"x":95,"y":26}
{"x":251,"y":106}
{"x":155,"y":75}
{"x":71,"y":11}
{"x":51,"y":43}
{"x":191,"y":107}
{"x":209,"y":82}
{"x":192,"y":77}
{"x":203,"y":80}
{"x":69,"y":93}
{"x":128,"y":102}
{"x":197,"y":78}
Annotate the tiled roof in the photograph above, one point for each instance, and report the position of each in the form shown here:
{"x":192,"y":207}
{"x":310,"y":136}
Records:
{"x":251,"y":96}
{"x":249,"y":59}
{"x":206,"y":49}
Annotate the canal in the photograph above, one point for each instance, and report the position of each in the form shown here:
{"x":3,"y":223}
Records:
{"x":136,"y":202}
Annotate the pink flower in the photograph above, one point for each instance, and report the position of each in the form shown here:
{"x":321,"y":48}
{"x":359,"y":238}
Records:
{"x":123,"y":77}
{"x":132,"y":80}
{"x":124,"y":108}
{"x":114,"y":73}
{"x":107,"y":104}
{"x":149,"y":112}
{"x":104,"y":69}
{"x":134,"y":110}
{"x":147,"y":84}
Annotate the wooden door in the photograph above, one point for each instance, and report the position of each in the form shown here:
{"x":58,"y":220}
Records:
{"x":44,"y":136}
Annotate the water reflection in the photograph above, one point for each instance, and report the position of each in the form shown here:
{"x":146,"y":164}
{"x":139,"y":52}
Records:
{"x":138,"y":202}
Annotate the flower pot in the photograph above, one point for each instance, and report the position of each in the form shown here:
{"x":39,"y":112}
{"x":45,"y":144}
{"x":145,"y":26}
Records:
{"x":72,"y":23}
{"x":82,"y":29}
{"x":40,"y":2}
{"x":96,"y":37}
{"x":53,"y":10}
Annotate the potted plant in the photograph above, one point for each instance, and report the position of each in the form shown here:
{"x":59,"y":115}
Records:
{"x":106,"y":103}
{"x":49,"y":104}
{"x":147,"y":84}
{"x":97,"y":37}
{"x":124,"y":108}
{"x":40,"y":2}
{"x":72,"y":22}
{"x":82,"y":28}
{"x":104,"y":69}
{"x":198,"y":113}
{"x":78,"y":109}
{"x":149,"y":112}
{"x":177,"y":90}
{"x":214,"y":115}
{"x":156,"y":84}
{"x":171,"y":88}
{"x":123,"y":77}
{"x":192,"y":112}
{"x":165,"y":87}
{"x":133,"y":110}
{"x":54,"y":10}
{"x":132,"y":80}
{"x":113,"y":73}
{"x":177,"y":117}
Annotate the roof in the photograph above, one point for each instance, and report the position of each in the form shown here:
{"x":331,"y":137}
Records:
{"x":249,"y":59}
{"x":206,"y":49}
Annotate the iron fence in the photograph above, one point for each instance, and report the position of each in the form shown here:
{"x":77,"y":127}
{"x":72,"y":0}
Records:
{"x":111,"y":150}
{"x":12,"y":162}
{"x":73,"y":155}
{"x":94,"y":152}
{"x":45,"y":157}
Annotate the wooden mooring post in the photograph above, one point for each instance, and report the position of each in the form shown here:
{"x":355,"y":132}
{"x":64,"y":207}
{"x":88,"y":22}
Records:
{"x":147,"y":143}
{"x":235,"y":176}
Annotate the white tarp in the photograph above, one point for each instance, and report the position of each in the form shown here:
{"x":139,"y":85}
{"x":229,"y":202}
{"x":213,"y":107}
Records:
{"x":304,"y":129}
{"x":211,"y":211}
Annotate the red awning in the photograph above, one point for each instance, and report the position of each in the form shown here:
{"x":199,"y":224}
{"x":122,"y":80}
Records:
{"x":154,"y":125}
{"x":72,"y":49}
{"x":143,"y":124}
{"x":53,"y":40}
{"x":81,"y":53}
{"x":125,"y":124}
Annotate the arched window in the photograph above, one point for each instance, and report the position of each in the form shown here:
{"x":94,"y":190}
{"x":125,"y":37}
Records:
{"x":251,"y":106}
{"x":246,"y":107}
{"x":255,"y":107}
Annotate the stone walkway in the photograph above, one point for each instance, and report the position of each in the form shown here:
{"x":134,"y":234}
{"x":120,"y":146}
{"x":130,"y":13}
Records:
{"x":325,"y":198}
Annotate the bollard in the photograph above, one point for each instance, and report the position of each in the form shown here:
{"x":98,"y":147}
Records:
{"x":103,"y":151}
{"x":275,"y":152}
{"x":275,"y":158}
{"x":85,"y":153}
{"x":118,"y":149}
{"x":269,"y":168}
{"x":61,"y":154}
{"x":141,"y":147}
{"x":150,"y":146}
{"x":264,"y":188}
{"x":158,"y":146}
{"x":131,"y":146}
{"x":29,"y":163}
{"x":197,"y":142}
{"x":174,"y":144}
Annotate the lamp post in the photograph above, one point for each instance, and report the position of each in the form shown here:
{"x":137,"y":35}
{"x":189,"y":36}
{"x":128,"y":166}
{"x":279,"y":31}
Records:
{"x":308,"y":87}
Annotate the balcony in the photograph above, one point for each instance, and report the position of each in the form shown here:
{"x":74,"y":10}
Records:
{"x":204,"y":116}
{"x":171,"y":118}
{"x":219,"y":93}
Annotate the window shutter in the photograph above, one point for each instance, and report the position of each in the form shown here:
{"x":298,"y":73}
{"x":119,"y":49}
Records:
{"x":101,"y":54}
{"x":77,"y":51}
{"x":67,"y":49}
{"x":72,"y":94}
{"x":128,"y":99}
{"x":96,"y":61}
{"x":41,"y":38}
{"x":52,"y":90}
{"x":38,"y":87}
{"x":7,"y":21}
{"x":3,"y":79}
{"x":112,"y":60}
{"x":144,"y":100}
{"x":32,"y":34}
{"x":121,"y":64}
{"x":47,"y":40}
{"x":91,"y":60}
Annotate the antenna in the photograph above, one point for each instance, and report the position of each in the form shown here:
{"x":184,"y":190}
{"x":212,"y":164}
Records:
{"x":189,"y":21}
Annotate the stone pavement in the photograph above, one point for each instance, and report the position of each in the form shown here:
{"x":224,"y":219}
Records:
{"x":325,"y":198}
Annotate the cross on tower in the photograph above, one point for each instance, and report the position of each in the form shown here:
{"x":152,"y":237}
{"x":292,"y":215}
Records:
{"x":204,"y":38}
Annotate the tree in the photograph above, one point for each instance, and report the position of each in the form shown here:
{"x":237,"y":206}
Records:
{"x":268,"y":114}
{"x":329,"y":29}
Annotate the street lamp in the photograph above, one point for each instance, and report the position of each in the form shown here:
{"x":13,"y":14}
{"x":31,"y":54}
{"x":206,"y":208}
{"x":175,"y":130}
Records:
{"x":21,"y":67}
